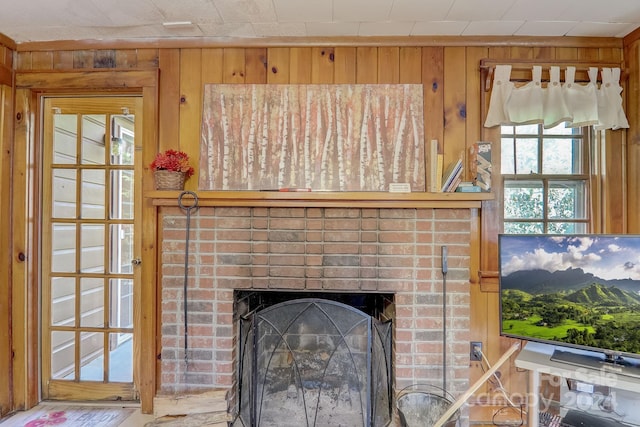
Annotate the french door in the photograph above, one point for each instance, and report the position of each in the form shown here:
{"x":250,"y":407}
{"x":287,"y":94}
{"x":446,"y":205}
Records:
{"x":89,"y":243}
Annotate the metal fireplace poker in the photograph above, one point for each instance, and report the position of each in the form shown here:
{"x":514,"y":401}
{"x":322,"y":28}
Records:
{"x":445,"y":269}
{"x":187,"y":208}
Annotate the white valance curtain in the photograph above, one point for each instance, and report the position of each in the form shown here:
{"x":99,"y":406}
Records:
{"x":577,"y":104}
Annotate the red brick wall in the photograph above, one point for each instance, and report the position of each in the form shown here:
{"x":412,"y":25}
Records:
{"x":321,"y":249}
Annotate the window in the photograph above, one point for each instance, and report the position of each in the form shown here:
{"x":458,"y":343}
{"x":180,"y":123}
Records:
{"x":546,"y":181}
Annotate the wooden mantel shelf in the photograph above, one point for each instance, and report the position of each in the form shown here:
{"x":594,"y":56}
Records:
{"x":323,"y":199}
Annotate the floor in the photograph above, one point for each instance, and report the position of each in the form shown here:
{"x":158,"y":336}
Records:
{"x":137,"y":419}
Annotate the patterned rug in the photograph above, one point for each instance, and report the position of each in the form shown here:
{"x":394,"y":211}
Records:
{"x":69,"y":416}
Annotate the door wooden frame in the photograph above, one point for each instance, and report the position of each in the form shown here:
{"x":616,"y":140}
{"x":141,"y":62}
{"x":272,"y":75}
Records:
{"x":29,"y":87}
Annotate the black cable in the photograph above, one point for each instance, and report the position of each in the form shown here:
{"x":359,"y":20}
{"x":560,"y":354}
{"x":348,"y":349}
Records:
{"x":501,"y":411}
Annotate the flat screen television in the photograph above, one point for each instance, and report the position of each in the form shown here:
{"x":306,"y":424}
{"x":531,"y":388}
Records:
{"x":575,"y":292}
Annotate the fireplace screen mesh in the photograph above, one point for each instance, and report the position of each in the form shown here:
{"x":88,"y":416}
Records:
{"x":314,"y":362}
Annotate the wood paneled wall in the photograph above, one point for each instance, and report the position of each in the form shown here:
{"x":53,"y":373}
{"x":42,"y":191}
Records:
{"x":453,"y":114}
{"x":6,"y":114}
{"x":5,"y":249}
{"x":632,"y":153}
{"x":454,"y":104}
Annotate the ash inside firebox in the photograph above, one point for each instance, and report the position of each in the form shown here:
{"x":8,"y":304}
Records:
{"x":324,"y":389}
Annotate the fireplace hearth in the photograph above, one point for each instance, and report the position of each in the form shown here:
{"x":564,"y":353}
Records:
{"x":314,"y":362}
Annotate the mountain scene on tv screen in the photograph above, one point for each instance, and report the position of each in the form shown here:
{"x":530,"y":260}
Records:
{"x":581,"y":290}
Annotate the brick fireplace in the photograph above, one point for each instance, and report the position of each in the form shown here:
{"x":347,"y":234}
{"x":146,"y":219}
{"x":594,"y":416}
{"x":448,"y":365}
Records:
{"x":320,"y":250}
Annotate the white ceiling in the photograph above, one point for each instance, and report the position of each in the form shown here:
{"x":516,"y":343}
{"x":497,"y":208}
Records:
{"x":41,"y":20}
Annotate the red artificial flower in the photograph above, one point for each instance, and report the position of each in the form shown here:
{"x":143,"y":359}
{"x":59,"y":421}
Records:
{"x":172,"y":160}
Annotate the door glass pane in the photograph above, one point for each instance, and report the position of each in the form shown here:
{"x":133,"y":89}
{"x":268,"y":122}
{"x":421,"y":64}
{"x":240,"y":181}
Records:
{"x":91,"y":356}
{"x":122,"y":144}
{"x":63,"y":350}
{"x":121,"y":315}
{"x":121,"y":248}
{"x":91,"y":302}
{"x":121,"y":194}
{"x":93,"y":135}
{"x":64,"y":138}
{"x":121,"y":358}
{"x":63,"y":301}
{"x":93,"y":190}
{"x":64,"y":193}
{"x":92,"y":254}
{"x":63,"y":248}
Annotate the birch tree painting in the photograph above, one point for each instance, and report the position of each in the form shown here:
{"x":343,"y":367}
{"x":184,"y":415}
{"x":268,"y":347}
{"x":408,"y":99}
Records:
{"x":322,"y":137}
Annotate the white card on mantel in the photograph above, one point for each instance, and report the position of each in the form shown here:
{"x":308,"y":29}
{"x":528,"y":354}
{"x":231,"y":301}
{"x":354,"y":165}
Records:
{"x":399,"y":187}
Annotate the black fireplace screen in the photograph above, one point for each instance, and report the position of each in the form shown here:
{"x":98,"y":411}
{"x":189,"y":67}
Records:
{"x":314,"y":362}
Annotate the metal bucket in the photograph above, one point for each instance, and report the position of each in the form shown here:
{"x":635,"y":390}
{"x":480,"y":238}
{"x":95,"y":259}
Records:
{"x":422,"y":405}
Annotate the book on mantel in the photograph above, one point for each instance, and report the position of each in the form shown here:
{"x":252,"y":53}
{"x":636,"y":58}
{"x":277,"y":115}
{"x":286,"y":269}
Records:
{"x":435,"y":164}
{"x":452,"y":176}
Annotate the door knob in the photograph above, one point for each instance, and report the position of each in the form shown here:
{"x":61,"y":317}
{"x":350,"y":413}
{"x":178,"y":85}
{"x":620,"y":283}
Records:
{"x":136,"y":261}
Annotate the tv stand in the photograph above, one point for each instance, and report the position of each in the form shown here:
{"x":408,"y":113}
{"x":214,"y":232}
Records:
{"x":539,"y":359}
{"x":609,"y":363}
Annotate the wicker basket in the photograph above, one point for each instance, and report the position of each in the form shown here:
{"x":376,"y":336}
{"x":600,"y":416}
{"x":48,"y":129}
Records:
{"x":169,"y":180}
